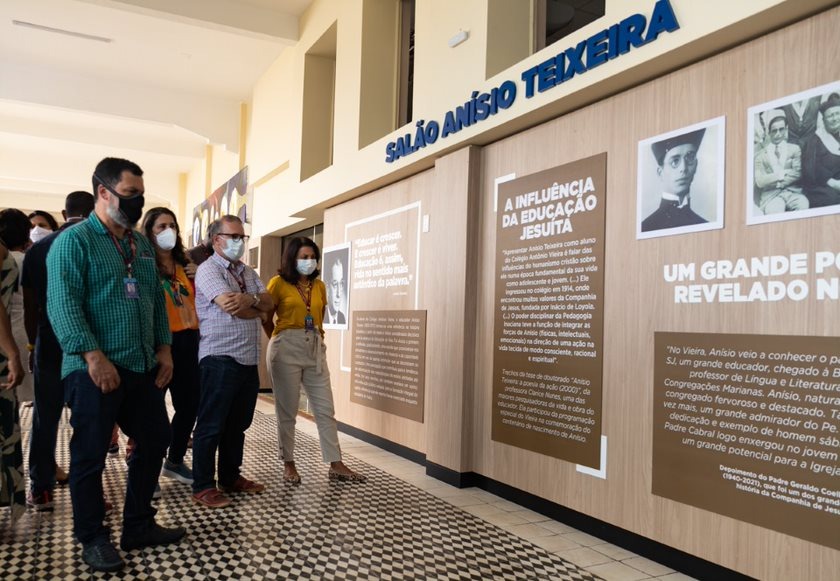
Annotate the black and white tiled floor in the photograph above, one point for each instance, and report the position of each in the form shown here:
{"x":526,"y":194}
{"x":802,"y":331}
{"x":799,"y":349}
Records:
{"x":406,"y":527}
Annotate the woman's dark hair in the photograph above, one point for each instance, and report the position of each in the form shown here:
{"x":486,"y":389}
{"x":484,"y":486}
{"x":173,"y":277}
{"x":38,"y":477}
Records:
{"x":288,"y":268}
{"x":149,"y":222}
{"x":46,"y":216}
{"x":14,"y":228}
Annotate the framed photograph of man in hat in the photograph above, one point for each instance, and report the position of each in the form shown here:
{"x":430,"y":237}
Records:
{"x":793,"y":153}
{"x":680,"y":181}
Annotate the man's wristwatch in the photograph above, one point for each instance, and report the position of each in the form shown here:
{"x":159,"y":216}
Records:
{"x":256,"y":300}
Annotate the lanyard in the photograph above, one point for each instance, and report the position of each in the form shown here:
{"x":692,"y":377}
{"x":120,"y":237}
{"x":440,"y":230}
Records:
{"x":307,"y":299}
{"x":240,"y":280}
{"x":127,"y":260}
{"x":173,"y":287}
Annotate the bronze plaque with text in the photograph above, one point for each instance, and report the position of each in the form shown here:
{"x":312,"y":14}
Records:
{"x":548,"y":334}
{"x":389,"y":361}
{"x":748,"y":426}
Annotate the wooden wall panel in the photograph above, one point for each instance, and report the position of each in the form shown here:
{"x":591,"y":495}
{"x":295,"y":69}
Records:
{"x":420,"y":187}
{"x":448,"y":197}
{"x":638,"y":302}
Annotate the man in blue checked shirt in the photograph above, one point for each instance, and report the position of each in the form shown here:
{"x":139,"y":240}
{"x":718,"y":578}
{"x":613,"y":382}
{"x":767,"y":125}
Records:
{"x":230,"y":300}
{"x":107,"y":308}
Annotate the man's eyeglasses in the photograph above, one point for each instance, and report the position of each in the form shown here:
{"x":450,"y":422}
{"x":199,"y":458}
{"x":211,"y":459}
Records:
{"x":236,"y":237}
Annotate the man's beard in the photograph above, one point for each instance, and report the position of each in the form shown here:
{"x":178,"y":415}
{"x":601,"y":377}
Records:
{"x":117,"y":216}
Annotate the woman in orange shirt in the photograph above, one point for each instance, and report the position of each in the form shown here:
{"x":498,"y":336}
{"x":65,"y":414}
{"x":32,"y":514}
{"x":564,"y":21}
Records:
{"x":176,"y":272}
{"x":297,"y":357}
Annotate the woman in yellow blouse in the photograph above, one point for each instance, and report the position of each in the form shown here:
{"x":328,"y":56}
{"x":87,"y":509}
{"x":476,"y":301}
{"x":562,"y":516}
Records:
{"x":176,"y":273}
{"x":297,"y":356}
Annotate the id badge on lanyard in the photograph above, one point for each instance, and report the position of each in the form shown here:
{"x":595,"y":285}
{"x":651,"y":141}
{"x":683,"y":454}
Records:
{"x":308,"y":320}
{"x":130,"y":286}
{"x":131,"y":289}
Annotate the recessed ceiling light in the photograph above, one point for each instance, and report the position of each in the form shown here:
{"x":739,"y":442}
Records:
{"x":61,"y":31}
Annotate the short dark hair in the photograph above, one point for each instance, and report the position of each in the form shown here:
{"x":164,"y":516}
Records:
{"x":109,"y":172}
{"x":14,"y":228}
{"x":46,"y":216}
{"x":288,"y":267}
{"x":78,"y":204}
{"x":149,"y":222}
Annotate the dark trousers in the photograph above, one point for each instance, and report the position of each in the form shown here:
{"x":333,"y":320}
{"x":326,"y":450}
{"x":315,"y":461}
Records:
{"x":225,"y":410}
{"x":140,"y":410}
{"x":185,"y":390}
{"x":46,"y":413}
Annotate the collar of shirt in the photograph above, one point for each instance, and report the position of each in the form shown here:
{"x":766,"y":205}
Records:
{"x":97,"y":224}
{"x":238,"y":266}
{"x":675,"y":198}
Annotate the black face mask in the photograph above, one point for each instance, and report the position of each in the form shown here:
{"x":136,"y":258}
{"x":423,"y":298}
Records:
{"x":130,"y":208}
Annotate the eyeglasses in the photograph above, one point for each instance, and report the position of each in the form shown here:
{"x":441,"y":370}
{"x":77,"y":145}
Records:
{"x":690,"y":158}
{"x":236,"y":237}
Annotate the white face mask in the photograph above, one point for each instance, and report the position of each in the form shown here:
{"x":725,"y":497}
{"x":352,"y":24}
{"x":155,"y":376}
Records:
{"x":234,"y":249}
{"x":306,"y":266}
{"x":38,"y":233}
{"x":166,"y":239}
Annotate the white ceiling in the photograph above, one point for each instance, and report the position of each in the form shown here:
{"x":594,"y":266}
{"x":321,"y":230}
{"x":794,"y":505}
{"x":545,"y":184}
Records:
{"x":170,"y":81}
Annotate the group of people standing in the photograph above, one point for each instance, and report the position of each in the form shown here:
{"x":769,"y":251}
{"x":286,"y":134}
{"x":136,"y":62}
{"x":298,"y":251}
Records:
{"x":797,"y":160}
{"x":124,"y":315}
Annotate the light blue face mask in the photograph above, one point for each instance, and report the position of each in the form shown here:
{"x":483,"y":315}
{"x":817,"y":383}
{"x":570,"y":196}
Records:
{"x":234,"y":249}
{"x":306,"y":266}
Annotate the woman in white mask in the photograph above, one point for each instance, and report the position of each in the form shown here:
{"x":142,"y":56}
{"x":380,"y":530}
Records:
{"x":176,"y":273}
{"x":43,"y":224}
{"x":297,"y":356}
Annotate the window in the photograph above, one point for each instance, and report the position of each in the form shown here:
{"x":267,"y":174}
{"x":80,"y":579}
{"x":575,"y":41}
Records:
{"x":316,"y":151}
{"x":406,"y":86}
{"x":518,"y":28}
{"x":555,"y":19}
{"x":387,"y":75}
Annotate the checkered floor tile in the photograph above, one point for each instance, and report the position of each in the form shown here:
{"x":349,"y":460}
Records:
{"x":382,"y":529}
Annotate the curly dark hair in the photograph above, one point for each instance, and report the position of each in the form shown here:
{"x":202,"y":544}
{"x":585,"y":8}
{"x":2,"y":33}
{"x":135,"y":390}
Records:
{"x":149,"y":219}
{"x":288,"y":267}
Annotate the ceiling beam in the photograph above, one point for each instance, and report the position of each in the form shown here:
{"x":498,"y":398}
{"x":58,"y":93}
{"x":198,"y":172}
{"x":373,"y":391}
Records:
{"x":213,"y":118}
{"x":228,"y":15}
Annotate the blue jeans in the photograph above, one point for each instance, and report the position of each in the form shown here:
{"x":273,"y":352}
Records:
{"x":140,"y":410}
{"x":46,"y":414}
{"x":225,"y":410}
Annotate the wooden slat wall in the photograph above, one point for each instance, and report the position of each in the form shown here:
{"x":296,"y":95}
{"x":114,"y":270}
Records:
{"x":458,"y":197}
{"x":638,"y":302}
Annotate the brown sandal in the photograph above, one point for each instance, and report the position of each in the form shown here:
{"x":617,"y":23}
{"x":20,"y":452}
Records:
{"x":290,"y":478}
{"x":351,"y":477}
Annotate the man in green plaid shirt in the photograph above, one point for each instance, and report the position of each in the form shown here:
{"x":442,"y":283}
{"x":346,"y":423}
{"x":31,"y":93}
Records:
{"x":107,"y":308}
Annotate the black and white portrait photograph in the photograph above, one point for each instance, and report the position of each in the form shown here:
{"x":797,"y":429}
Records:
{"x":793,"y":153}
{"x":336,"y":275}
{"x":680,"y":180}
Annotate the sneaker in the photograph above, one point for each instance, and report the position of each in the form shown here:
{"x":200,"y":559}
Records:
{"x":41,"y":502}
{"x":102,"y":556}
{"x":211,"y":498}
{"x":152,"y":536}
{"x":242,"y":484}
{"x":178,"y":472}
{"x":157,"y":493}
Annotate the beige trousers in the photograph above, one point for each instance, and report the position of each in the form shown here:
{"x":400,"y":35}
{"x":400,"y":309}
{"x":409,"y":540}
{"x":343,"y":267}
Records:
{"x":296,"y":358}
